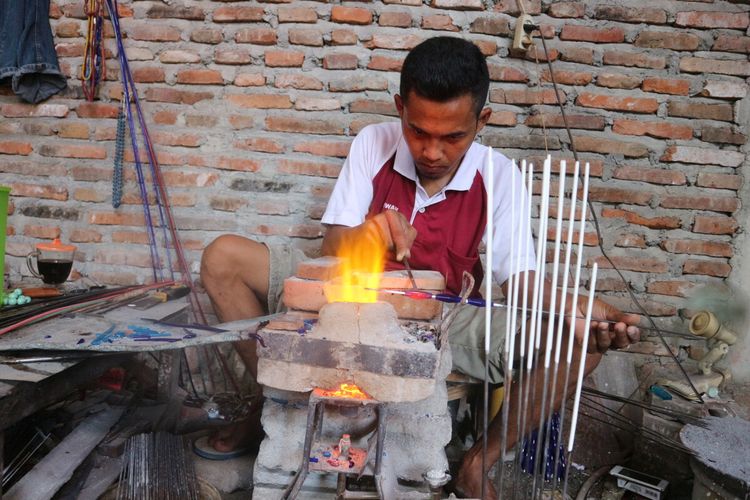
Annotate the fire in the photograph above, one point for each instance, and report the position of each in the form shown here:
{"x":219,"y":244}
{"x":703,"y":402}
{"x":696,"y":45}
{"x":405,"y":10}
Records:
{"x":362,"y":262}
{"x":350,"y":391}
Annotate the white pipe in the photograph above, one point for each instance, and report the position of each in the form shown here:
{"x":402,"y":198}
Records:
{"x":555,"y":264}
{"x":579,"y":259}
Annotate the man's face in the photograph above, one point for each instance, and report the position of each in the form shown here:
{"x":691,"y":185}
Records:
{"x":439,"y":133}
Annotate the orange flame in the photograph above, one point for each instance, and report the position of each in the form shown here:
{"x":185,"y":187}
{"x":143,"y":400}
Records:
{"x":362,"y":261}
{"x":346,"y":391}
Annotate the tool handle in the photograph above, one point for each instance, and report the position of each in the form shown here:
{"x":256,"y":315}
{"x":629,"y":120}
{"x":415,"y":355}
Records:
{"x":171,"y":293}
{"x":43,"y":292}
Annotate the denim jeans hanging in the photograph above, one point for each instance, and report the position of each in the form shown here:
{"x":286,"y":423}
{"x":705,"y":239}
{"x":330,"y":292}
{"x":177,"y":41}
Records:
{"x":27,"y":51}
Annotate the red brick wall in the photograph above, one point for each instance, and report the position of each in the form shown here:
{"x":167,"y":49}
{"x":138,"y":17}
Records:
{"x":252,"y":106}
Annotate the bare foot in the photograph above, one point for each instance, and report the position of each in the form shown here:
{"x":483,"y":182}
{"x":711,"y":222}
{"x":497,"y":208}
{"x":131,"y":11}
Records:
{"x":238,"y":435}
{"x":469,"y":478}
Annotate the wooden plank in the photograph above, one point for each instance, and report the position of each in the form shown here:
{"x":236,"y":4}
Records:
{"x":58,"y":466}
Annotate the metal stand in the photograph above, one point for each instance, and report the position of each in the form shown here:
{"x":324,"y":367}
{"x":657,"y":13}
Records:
{"x":357,"y":458}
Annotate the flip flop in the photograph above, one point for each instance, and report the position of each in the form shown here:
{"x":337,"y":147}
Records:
{"x":203,"y":448}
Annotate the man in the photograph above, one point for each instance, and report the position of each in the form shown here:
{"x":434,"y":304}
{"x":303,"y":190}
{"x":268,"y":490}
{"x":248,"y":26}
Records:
{"x":422,"y":184}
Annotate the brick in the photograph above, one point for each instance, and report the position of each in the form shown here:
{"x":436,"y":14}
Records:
{"x":89,"y":194}
{"x":724,"y":90}
{"x":610,"y":146}
{"x":179,"y":57}
{"x":639,"y":60}
{"x":73,"y":130}
{"x":61,"y":150}
{"x":618,"y":81}
{"x":241,"y":121}
{"x":585,"y":122}
{"x":703,"y":156}
{"x":502,"y":118}
{"x":672,"y":288}
{"x":297,"y":81}
{"x":567,"y":9}
{"x":91,"y":174}
{"x":249,"y":80}
{"x":17,"y":110}
{"x":730,"y":43}
{"x":261,"y":144}
{"x":719,"y":181}
{"x":651,"y":175}
{"x":383,"y":107}
{"x":709,"y":20}
{"x":225,"y":204}
{"x":385,"y":63}
{"x":338,"y":149}
{"x":630,"y":14}
{"x":395,"y":42}
{"x":619,"y":195}
{"x":631,"y":241}
{"x":527,"y":141}
{"x":717,"y":224}
{"x":616,"y":103}
{"x":723,"y":135}
{"x":85,"y":236}
{"x":577,"y":33}
{"x":486,"y":47}
{"x":154,"y":33}
{"x":138,"y":237}
{"x":659,"y":130}
{"x":72,"y":49}
{"x":637,"y":264}
{"x":177,"y":139}
{"x":148,"y":75}
{"x":340,"y":61}
{"x":201,"y":121}
{"x":310,"y":37}
{"x":225,"y":163}
{"x":351,"y":15}
{"x":711,"y":203}
{"x":661,"y":222}
{"x":123,"y":258}
{"x":705,"y":65}
{"x":309,"y":168}
{"x":722,"y":112}
{"x":589,"y":238}
{"x":583,"y":55}
{"x":232,"y":57}
{"x":321,"y":269}
{"x":284,"y":58}
{"x":257,"y":36}
{"x":42,"y":232}
{"x":68,"y":29}
{"x":200,"y":77}
{"x":673,"y":40}
{"x":317,"y":104}
{"x":440,"y":22}
{"x":581,"y":78}
{"x":458,"y":4}
{"x":191,"y":179}
{"x":108,"y":133}
{"x":397,"y":19}
{"x":15,"y":148}
{"x":698,"y":247}
{"x":39,"y":191}
{"x":358,"y":83}
{"x":536,"y":53}
{"x":297,"y":15}
{"x":511,"y":7}
{"x":343,"y":37}
{"x":176,"y":96}
{"x":305,"y":126}
{"x":610,"y":285}
{"x":238,"y":14}
{"x":260,"y":101}
{"x":115,"y":279}
{"x":176,"y":12}
{"x":525,"y":96}
{"x":490,"y":26}
{"x":666,"y":86}
{"x":309,"y":231}
{"x":207,"y":35}
{"x":505,"y":73}
{"x":707,"y":268}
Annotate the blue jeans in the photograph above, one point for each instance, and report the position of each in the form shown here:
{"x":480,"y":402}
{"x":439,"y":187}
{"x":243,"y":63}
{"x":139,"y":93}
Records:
{"x":27,"y":51}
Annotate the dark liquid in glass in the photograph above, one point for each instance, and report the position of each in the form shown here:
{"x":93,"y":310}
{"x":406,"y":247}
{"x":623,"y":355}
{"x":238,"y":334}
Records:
{"x":54,"y":272}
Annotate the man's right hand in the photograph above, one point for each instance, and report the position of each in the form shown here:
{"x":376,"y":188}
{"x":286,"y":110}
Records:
{"x":396,"y":231}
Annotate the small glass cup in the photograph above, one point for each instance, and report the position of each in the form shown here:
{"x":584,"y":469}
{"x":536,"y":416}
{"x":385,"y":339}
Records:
{"x":54,"y":262}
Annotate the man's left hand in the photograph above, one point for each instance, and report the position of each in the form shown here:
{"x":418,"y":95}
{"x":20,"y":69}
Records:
{"x":609,"y":327}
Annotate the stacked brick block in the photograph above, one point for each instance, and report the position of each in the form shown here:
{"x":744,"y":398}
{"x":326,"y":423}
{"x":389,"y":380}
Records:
{"x":252,"y":107}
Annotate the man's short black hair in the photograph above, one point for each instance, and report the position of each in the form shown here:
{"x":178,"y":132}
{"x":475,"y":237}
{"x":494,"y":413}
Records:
{"x":444,"y":68}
